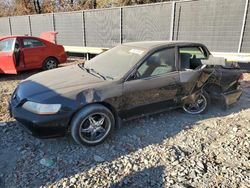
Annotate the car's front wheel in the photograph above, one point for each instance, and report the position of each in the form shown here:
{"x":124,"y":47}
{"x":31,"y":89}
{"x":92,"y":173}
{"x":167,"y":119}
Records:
{"x":92,"y":125}
{"x":199,"y":106}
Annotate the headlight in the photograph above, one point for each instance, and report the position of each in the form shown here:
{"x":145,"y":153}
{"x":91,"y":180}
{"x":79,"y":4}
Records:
{"x":43,"y":109}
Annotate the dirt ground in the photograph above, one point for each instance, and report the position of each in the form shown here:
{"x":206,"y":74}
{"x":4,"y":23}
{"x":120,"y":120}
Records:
{"x":171,"y":149}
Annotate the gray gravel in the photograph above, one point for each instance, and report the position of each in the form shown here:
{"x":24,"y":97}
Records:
{"x":171,"y":149}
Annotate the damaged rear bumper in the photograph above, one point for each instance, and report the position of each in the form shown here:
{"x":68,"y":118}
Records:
{"x":231,"y":97}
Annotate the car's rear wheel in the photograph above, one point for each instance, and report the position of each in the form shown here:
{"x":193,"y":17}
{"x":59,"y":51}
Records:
{"x":199,"y":106}
{"x":50,"y":63}
{"x":92,"y":125}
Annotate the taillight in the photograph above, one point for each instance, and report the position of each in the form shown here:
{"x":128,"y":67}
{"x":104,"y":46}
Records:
{"x":241,"y":78}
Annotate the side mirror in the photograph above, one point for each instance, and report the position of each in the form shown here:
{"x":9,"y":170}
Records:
{"x":133,"y":76}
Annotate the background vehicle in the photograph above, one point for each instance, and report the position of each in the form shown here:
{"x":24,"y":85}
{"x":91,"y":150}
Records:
{"x":19,"y":53}
{"x":125,"y":82}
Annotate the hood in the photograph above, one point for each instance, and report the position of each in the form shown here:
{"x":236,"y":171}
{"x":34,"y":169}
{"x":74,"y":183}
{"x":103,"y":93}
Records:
{"x":66,"y":82}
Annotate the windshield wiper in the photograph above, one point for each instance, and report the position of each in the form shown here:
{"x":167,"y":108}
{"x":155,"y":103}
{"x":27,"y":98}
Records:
{"x":82,"y":67}
{"x":94,"y":72}
{"x":109,"y":77}
{"x":97,"y":73}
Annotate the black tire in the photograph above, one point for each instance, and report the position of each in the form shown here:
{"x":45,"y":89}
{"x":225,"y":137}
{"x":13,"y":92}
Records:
{"x":206,"y":103}
{"x":50,"y":63}
{"x":82,"y":129}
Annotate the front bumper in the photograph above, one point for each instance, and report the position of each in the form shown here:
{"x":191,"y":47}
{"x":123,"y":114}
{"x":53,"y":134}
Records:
{"x":41,"y":126}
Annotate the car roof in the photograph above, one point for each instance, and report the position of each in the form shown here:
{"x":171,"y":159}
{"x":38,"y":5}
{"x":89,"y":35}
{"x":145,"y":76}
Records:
{"x":154,"y":44}
{"x":18,"y":36}
{"x":26,"y":36}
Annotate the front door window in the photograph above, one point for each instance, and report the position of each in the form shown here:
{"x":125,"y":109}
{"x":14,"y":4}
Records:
{"x":7,"y":45}
{"x":159,"y":63}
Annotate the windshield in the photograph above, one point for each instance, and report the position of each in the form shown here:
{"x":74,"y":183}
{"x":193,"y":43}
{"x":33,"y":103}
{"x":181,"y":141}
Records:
{"x":116,"y":62}
{"x":7,"y":45}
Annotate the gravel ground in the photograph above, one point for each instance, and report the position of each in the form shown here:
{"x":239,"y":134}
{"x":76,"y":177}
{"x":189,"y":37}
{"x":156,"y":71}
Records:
{"x":171,"y":149}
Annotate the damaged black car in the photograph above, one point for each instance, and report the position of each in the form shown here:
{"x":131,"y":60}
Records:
{"x":90,"y":100}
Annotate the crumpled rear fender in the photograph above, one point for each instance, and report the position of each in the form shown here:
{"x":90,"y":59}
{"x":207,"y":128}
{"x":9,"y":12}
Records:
{"x":191,"y":98}
{"x":194,"y":80}
{"x":221,"y":61}
{"x":241,"y":66}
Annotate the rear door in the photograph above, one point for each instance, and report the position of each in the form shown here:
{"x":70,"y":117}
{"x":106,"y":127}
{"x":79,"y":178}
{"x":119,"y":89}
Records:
{"x":190,"y":64}
{"x":33,"y":51}
{"x":7,"y":60}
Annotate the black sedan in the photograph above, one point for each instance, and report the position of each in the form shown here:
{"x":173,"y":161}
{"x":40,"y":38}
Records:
{"x":89,"y":100}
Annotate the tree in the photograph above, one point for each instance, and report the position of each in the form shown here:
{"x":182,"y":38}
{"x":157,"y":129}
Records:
{"x":26,"y":7}
{"x":4,"y":8}
{"x":37,"y":6}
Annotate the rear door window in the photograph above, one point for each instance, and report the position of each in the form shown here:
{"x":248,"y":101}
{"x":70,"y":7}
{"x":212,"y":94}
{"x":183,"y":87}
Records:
{"x":193,"y":51}
{"x":32,"y":43}
{"x":190,"y":57}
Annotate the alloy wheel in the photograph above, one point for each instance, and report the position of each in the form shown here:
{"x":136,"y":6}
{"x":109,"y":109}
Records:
{"x":51,"y":64}
{"x":197,"y":107}
{"x":95,"y":127}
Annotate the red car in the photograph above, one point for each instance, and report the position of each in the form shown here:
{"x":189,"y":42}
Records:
{"x":19,"y":53}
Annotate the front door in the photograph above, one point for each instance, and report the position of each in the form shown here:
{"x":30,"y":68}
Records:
{"x":154,"y":87}
{"x":7,"y":59}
